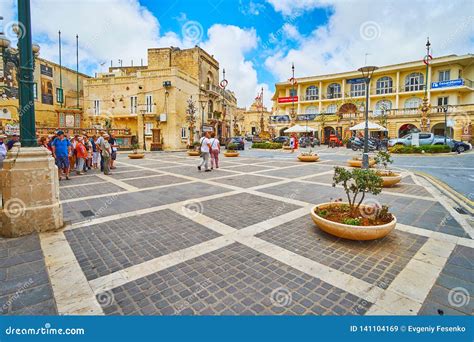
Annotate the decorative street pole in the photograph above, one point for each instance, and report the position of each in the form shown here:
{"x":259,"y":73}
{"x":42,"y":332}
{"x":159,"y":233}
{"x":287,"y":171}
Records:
{"x":293,"y":83}
{"x":26,"y":93}
{"x":60,"y":95}
{"x":77,"y":70}
{"x":425,"y":108}
{"x":223,"y":84}
{"x":367,"y":73}
{"x":191,"y":118}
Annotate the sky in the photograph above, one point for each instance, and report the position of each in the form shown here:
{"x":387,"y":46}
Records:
{"x":256,"y":41}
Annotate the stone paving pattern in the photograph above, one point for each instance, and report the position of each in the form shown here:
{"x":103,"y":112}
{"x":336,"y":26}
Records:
{"x":234,"y":280}
{"x":376,"y":262}
{"x":112,"y":246}
{"x":455,"y":283}
{"x":25,"y":288}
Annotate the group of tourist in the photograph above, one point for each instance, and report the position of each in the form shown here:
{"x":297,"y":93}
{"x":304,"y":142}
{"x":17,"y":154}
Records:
{"x":210,"y":149}
{"x":79,"y":152}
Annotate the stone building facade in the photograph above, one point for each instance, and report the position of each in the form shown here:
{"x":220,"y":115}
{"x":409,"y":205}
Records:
{"x":249,"y":120}
{"x":50,"y":112}
{"x":151,"y":102}
{"x":335,"y":102}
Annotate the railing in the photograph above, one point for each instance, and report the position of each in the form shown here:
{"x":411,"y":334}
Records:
{"x":75,"y":130}
{"x":331,"y":96}
{"x":311,"y":97}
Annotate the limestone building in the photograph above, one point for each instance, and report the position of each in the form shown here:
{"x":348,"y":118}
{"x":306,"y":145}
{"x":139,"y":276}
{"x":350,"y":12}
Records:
{"x":51,"y":112}
{"x":335,"y":102}
{"x":151,"y":102}
{"x":249,"y":121}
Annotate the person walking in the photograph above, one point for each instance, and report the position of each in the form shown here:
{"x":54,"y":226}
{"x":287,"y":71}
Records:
{"x":3,"y":149}
{"x":106,"y":152}
{"x":292,"y":143}
{"x":99,"y":143}
{"x":61,"y":147}
{"x":205,"y":152}
{"x":81,"y":155}
{"x":215,"y":150}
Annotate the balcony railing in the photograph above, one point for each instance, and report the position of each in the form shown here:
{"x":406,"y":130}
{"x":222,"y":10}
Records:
{"x":311,"y":97}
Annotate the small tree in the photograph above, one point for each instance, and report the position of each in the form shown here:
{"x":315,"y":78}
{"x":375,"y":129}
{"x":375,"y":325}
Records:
{"x":383,"y":159}
{"x":135,"y":147}
{"x":231,"y":147}
{"x":357,"y":182}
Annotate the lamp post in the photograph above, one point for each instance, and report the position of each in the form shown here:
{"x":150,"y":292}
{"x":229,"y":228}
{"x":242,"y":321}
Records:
{"x":293,"y":83}
{"x":367,"y":73}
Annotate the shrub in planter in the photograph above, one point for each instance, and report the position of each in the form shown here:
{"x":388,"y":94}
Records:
{"x":390,"y":178}
{"x":231,"y":150}
{"x":135,"y":154}
{"x":354,"y":219}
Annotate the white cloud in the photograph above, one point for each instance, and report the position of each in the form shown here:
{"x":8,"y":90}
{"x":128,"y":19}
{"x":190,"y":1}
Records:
{"x":391,"y":32}
{"x":296,"y":7}
{"x":229,"y":44}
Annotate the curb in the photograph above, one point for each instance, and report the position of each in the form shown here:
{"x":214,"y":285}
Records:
{"x":458,"y":198}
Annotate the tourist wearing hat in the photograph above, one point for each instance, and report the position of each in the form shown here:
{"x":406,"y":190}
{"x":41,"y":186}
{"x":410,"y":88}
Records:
{"x":15,"y":138}
{"x":61,"y":151}
{"x":81,"y":155}
{"x":106,"y":152}
{"x":3,"y":149}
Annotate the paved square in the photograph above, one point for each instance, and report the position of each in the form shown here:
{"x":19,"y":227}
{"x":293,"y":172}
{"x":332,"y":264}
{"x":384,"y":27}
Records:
{"x":376,"y":262}
{"x":112,"y":246}
{"x":158,"y":237}
{"x":243,"y":210}
{"x":235,"y":280}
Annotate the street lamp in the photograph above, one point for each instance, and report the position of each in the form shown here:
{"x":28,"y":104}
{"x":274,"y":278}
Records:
{"x":367,"y":73}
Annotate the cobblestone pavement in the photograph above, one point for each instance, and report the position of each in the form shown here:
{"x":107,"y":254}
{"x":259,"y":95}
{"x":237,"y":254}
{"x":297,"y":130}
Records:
{"x":158,"y":237}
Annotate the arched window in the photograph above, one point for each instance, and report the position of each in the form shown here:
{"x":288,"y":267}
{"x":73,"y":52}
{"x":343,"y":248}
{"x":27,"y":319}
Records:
{"x":384,"y":85}
{"x":331,"y":109}
{"x":312,"y":93}
{"x":311,"y":110}
{"x":414,"y":81}
{"x":382,"y":106}
{"x":334,"y":91}
{"x":413,"y":102}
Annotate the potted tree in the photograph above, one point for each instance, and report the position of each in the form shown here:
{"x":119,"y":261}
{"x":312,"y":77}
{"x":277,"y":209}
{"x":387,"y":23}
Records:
{"x":357,"y":161}
{"x":352,"y":219}
{"x":135,"y":154}
{"x":194,"y":150}
{"x":389,"y":178}
{"x":231,"y":150}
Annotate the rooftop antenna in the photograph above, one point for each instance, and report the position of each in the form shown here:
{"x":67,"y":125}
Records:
{"x":1,"y":26}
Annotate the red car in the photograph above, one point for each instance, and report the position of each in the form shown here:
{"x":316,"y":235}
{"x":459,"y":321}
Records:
{"x":334,"y":141}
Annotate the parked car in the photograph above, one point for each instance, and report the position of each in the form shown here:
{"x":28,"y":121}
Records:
{"x":281,"y":139}
{"x":425,"y":138}
{"x":249,"y":137}
{"x":239,"y":141}
{"x":309,"y":141}
{"x":460,"y":146}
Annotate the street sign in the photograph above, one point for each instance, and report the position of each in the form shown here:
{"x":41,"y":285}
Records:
{"x":444,"y":84}
{"x":207,"y":129}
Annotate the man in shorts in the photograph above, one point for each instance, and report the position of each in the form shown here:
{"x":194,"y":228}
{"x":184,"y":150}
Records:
{"x":61,"y":149}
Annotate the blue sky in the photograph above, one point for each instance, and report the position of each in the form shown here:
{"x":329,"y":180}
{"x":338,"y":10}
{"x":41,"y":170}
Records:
{"x":256,"y":41}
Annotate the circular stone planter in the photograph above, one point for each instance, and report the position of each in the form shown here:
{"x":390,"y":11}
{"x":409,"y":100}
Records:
{"x":308,"y":158}
{"x":231,"y":154}
{"x":350,"y":232}
{"x":358,"y":163}
{"x":194,"y":153}
{"x":136,"y":155}
{"x":389,"y":181}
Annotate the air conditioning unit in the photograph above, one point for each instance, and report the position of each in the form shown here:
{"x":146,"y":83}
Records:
{"x":163,"y":117}
{"x":167,"y":84}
